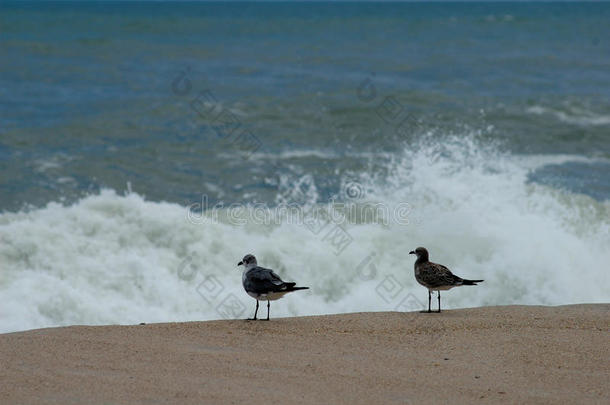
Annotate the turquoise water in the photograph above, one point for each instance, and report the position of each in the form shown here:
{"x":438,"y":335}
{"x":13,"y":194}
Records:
{"x":87,"y":88}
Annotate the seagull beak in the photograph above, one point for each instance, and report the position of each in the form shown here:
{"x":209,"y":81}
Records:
{"x":412,"y":252}
{"x":240,"y":263}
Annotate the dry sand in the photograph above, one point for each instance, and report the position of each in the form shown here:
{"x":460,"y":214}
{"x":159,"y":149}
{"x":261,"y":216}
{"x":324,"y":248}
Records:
{"x":516,"y":354}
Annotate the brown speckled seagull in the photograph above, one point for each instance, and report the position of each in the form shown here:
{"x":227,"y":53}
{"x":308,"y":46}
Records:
{"x":436,"y":277}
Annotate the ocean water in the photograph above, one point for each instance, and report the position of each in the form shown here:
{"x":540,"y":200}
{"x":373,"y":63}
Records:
{"x":146,"y":147}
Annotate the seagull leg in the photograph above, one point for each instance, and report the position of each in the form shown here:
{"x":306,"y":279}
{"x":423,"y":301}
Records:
{"x":268,"y":305}
{"x":255,"y":312}
{"x":439,"y":300}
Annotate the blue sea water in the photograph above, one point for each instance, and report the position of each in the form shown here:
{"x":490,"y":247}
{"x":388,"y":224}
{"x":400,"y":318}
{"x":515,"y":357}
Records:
{"x":120,"y":120}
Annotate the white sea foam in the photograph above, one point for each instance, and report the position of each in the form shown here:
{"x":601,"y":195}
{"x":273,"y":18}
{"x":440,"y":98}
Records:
{"x":573,"y":115}
{"x":121,"y":259}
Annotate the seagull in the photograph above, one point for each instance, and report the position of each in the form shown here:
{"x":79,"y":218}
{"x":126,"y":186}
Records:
{"x":263,"y":284}
{"x":436,"y":277}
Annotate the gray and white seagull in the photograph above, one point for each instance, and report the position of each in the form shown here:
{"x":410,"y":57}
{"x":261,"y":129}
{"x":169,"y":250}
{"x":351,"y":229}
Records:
{"x":263,"y":284}
{"x":436,"y":277}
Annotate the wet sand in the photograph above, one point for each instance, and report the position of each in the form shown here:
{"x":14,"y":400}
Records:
{"x":513,"y":354}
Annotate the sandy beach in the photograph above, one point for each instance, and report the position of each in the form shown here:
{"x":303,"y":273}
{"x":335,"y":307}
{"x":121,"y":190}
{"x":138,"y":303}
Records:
{"x":148,"y":147}
{"x":513,"y":354}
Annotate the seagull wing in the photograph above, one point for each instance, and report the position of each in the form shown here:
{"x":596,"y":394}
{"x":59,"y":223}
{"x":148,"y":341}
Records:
{"x":261,"y":281}
{"x":437,"y":275}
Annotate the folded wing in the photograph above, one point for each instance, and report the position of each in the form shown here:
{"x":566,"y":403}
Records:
{"x":262,"y":281}
{"x":436,"y":275}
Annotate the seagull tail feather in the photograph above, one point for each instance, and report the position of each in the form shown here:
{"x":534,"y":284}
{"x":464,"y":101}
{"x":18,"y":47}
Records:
{"x":293,"y":288}
{"x":471,"y":282}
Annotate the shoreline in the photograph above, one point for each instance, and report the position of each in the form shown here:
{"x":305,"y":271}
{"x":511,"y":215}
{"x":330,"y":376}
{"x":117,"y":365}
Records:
{"x":514,"y":354}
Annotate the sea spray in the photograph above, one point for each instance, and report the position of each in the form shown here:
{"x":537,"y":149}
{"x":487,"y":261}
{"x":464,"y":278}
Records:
{"x":111,"y":258}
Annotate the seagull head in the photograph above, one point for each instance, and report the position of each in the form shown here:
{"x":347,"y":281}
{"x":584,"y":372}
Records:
{"x":248,"y":261}
{"x":420,"y":252}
